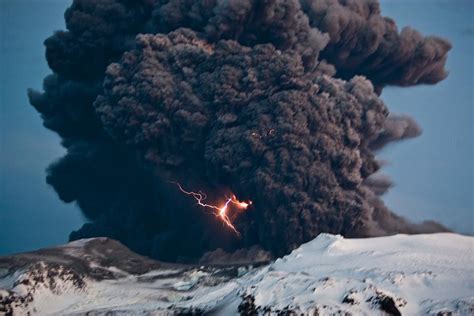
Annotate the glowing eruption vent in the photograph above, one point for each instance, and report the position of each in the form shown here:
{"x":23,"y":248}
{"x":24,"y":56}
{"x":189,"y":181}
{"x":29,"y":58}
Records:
{"x":220,"y":212}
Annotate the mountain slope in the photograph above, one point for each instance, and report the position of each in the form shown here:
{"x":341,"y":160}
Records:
{"x":401,"y":274}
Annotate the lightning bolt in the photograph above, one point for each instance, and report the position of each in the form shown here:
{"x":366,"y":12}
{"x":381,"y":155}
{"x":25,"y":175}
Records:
{"x":220,"y":212}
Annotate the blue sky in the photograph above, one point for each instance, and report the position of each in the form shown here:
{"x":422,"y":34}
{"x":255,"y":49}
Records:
{"x":31,"y":215}
{"x":433,"y":173}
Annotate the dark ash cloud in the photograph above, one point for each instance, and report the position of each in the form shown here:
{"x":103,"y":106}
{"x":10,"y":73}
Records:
{"x":274,"y":101}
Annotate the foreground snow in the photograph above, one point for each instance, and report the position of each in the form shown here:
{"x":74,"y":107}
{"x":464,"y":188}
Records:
{"x":423,"y":274}
{"x":408,"y":275}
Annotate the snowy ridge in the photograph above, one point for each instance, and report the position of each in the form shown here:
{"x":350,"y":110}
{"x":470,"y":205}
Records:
{"x":396,"y":275}
{"x":421,"y":274}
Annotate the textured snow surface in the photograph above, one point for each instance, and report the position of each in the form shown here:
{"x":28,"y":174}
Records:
{"x":423,"y":274}
{"x":401,"y":274}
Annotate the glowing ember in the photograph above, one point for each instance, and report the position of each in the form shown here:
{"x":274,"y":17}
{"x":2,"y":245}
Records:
{"x":220,"y":212}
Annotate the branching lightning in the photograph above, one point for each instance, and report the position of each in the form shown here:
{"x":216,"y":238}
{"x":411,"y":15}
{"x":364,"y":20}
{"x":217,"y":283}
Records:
{"x":219,"y":211}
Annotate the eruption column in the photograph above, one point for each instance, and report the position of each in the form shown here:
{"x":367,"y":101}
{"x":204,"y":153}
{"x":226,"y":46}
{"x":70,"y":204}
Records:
{"x":278,"y":98}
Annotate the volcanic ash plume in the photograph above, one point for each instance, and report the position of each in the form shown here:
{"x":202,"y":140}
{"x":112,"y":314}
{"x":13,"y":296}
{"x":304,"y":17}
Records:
{"x":180,"y":115}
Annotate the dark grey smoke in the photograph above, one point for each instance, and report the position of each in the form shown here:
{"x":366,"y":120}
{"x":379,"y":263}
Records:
{"x":396,"y":128}
{"x":275,"y":101}
{"x":364,"y":42}
{"x":378,"y":184}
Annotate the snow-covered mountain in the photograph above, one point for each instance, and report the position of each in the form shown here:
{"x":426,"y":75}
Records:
{"x":396,"y":275}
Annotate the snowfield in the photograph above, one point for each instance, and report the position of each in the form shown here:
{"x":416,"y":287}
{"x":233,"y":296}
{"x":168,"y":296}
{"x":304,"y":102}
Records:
{"x":421,"y":274}
{"x":330,"y":275}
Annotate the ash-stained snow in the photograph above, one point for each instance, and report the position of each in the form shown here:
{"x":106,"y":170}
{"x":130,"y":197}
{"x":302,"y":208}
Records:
{"x":396,"y":275}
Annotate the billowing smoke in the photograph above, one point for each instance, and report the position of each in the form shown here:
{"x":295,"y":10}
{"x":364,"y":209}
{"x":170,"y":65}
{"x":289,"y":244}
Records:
{"x":275,"y":101}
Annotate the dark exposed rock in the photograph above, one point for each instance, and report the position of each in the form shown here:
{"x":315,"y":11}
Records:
{"x":247,"y":306}
{"x":387,"y":304}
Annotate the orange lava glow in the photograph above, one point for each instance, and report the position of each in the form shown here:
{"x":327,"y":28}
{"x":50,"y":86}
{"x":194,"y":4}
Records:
{"x":219,"y":211}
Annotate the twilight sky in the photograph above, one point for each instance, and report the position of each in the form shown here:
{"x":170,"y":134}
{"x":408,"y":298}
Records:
{"x":433,"y":173}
